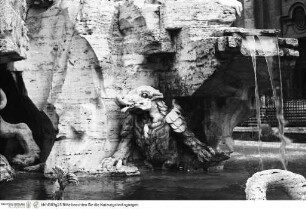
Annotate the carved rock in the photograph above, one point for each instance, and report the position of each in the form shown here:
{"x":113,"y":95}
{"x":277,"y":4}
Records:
{"x":23,"y":135}
{"x":223,"y":114}
{"x":258,"y":185}
{"x":161,"y":134}
{"x":92,"y":50}
{"x":181,"y":14}
{"x":122,"y":170}
{"x":71,"y":89}
{"x":6,"y":171}
{"x":20,"y":133}
{"x":26,"y":134}
{"x":13,"y":32}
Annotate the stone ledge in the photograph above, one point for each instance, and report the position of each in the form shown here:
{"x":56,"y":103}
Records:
{"x":291,"y":130}
{"x":251,"y":32}
{"x":179,"y":14}
{"x":288,"y":48}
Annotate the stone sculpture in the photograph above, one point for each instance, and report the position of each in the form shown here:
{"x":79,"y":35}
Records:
{"x":22,"y":133}
{"x":26,"y":134}
{"x":232,"y":3}
{"x":161,"y":134}
{"x":63,"y":180}
{"x":97,"y":48}
{"x":293,"y":184}
{"x":6,"y":171}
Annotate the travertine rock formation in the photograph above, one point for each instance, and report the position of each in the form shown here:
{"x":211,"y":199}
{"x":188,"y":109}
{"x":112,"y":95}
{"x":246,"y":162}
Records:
{"x":258,"y":185}
{"x":25,"y":137}
{"x":6,"y":171}
{"x":26,"y":134}
{"x":83,"y":53}
{"x":13,"y":32}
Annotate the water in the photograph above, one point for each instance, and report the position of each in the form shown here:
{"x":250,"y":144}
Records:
{"x":252,"y":46}
{"x":224,"y":185}
{"x":227,"y":185}
{"x":275,"y":75}
{"x":269,"y":46}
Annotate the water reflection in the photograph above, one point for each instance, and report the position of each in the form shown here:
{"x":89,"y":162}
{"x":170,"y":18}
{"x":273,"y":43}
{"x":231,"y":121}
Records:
{"x":26,"y":188}
{"x":150,"y":186}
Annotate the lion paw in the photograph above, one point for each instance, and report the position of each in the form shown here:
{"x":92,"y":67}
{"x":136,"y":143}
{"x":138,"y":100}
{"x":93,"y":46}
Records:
{"x":204,"y":155}
{"x":35,"y":168}
{"x":110,"y":163}
{"x":116,"y":167}
{"x":26,"y":159}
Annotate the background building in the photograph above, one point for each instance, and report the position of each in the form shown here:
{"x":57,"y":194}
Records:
{"x":289,"y":16}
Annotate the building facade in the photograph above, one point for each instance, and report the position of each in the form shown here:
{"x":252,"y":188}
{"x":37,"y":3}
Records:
{"x":289,"y":16}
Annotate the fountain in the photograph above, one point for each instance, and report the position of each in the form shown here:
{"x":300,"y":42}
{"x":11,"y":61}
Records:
{"x":83,"y":54}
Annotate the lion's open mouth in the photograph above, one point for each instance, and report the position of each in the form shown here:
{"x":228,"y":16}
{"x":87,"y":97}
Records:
{"x":127,"y":107}
{"x":138,"y":99}
{"x":123,"y":104}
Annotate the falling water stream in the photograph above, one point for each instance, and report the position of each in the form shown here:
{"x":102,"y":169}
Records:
{"x":252,"y":46}
{"x":269,"y":45}
{"x":275,"y":75}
